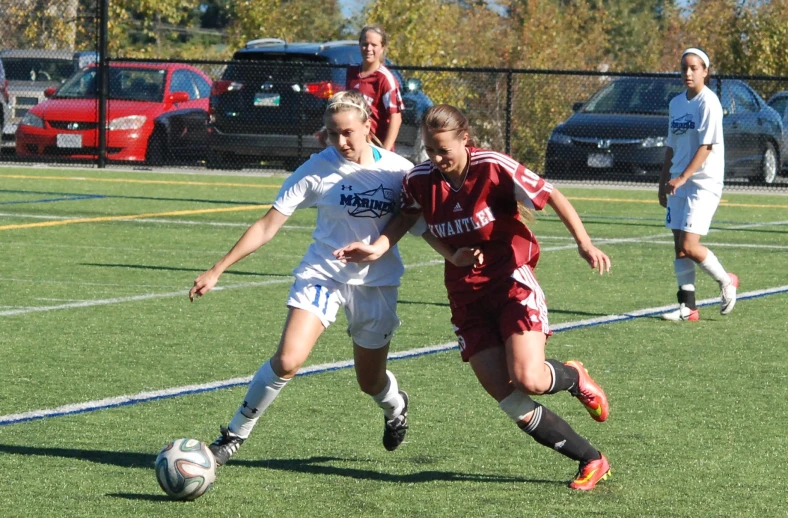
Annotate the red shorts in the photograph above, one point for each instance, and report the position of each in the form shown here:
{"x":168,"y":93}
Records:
{"x":503,"y":310}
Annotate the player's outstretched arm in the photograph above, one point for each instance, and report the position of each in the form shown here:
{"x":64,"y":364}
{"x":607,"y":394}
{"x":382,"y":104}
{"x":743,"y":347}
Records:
{"x":594,"y":256}
{"x":359,"y":252}
{"x":260,"y":233}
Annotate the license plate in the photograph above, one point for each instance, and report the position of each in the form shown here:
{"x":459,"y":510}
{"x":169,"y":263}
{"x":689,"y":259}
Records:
{"x":69,"y":140}
{"x":267,"y":99}
{"x":600,"y":160}
{"x":9,"y":129}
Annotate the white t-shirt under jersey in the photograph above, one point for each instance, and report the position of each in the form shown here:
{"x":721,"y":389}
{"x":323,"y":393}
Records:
{"x":693,"y":123}
{"x":354,"y":203}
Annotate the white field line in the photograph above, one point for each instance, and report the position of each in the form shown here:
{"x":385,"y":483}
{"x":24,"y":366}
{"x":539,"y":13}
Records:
{"x":141,"y":397}
{"x":149,"y":296}
{"x":111,"y":285}
{"x":730,"y":245}
{"x":180,"y":293}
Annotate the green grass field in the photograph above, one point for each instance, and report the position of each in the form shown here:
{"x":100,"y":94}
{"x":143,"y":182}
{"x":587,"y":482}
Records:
{"x":95,"y":270}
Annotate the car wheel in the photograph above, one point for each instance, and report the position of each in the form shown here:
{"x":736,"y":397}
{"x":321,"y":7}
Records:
{"x":769,"y":167}
{"x":157,"y":149}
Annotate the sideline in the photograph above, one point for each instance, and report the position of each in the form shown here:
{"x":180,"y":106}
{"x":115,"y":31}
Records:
{"x":143,"y":397}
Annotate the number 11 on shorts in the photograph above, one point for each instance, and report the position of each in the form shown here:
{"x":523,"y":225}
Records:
{"x":323,"y":293}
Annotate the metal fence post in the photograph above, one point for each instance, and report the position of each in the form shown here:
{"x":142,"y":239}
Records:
{"x":508,"y":135}
{"x":103,"y":80}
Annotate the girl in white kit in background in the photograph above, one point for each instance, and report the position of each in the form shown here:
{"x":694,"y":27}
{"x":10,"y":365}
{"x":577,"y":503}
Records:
{"x":691,"y":184}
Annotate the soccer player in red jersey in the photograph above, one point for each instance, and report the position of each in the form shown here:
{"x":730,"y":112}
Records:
{"x":378,"y":85}
{"x":470,"y":199}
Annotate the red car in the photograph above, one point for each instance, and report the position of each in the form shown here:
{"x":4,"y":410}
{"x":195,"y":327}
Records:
{"x":156,"y":112}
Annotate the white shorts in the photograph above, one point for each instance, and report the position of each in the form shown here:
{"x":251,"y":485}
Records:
{"x":692,"y":213}
{"x":371,"y":310}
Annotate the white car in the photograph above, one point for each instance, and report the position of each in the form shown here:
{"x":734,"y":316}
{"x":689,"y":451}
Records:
{"x":5,"y":108}
{"x":28,"y":74}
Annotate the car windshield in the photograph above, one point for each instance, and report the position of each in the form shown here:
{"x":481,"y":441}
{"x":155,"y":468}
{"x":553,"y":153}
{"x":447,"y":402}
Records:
{"x":646,"y":96}
{"x":38,"y":69}
{"x":779,"y":104}
{"x":128,"y":84}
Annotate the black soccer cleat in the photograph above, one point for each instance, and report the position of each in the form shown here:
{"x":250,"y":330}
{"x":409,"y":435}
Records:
{"x":396,"y":427}
{"x":225,"y":446}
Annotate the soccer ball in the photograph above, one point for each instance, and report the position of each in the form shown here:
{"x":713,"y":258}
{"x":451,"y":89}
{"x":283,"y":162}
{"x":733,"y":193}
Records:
{"x":185,"y":469}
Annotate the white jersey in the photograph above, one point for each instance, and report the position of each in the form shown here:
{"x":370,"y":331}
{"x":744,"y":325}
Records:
{"x":354,"y":203}
{"x":694,"y":123}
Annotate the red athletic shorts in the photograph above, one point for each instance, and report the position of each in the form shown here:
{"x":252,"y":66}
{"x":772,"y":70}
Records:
{"x":504,"y":309}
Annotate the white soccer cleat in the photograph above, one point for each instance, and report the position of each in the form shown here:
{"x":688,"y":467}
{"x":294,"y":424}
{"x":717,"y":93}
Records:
{"x":682,"y":313}
{"x":728,"y":295}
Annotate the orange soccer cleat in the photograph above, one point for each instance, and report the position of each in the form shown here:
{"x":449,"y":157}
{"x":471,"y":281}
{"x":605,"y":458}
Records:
{"x":589,"y":393}
{"x":590,"y":473}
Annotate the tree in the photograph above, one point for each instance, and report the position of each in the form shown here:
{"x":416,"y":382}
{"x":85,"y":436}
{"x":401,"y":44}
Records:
{"x":43,"y":24}
{"x":303,"y":20}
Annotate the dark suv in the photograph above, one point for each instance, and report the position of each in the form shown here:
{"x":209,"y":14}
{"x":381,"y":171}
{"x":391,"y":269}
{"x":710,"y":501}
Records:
{"x":269,"y":103}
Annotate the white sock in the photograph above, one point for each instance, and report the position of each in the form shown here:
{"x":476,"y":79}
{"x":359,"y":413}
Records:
{"x":685,"y":273}
{"x":262,"y":391}
{"x":390,"y":400}
{"x":713,"y":267}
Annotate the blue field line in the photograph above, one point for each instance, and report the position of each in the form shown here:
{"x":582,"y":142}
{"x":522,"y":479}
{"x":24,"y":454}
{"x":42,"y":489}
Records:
{"x":121,"y":401}
{"x":50,"y":200}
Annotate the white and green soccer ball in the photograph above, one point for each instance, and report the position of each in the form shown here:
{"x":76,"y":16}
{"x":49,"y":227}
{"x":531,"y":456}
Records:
{"x":185,"y":469}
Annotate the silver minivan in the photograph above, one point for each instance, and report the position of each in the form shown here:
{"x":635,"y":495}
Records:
{"x":5,"y":108}
{"x":29,"y":73}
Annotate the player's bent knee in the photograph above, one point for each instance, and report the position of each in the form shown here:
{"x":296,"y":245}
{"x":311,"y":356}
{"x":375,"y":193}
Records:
{"x":286,"y":365}
{"x":531,"y":381}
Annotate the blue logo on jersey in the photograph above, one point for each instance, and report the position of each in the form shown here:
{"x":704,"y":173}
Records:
{"x":680,"y":125}
{"x":374,"y":203}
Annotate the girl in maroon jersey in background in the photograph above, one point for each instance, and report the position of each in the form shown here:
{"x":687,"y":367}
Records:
{"x":378,"y":85}
{"x":470,"y":200}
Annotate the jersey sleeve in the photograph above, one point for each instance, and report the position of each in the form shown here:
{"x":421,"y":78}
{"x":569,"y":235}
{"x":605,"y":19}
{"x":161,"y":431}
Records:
{"x":710,"y":123}
{"x":298,"y":191}
{"x":529,"y":188}
{"x":671,"y":140}
{"x":410,"y":203}
{"x":391,"y":94}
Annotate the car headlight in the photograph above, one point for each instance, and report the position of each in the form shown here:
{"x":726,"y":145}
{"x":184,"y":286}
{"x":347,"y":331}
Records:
{"x":132,"y":122}
{"x":560,"y":138}
{"x":653,"y":142}
{"x":32,"y":120}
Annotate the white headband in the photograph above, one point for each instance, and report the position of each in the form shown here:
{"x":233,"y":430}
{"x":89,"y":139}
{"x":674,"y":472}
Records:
{"x":334,"y":104}
{"x":702,"y":55}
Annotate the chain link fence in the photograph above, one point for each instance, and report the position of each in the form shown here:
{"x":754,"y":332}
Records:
{"x":263,"y":110}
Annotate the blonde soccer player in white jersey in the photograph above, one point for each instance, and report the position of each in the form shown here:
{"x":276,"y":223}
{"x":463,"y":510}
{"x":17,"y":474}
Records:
{"x":691,"y":184}
{"x":356,"y":188}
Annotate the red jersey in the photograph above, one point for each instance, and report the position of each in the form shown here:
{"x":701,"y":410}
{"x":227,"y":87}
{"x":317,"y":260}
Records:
{"x":483,"y":213}
{"x":381,"y":90}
